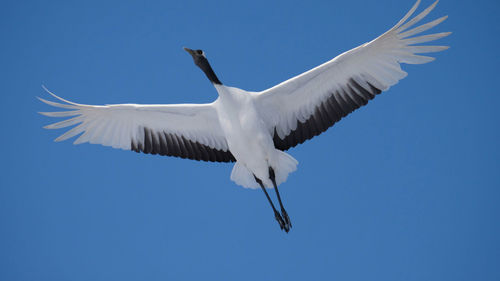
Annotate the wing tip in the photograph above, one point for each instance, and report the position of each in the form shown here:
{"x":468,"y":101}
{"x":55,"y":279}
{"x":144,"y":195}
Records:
{"x":445,"y":34}
{"x":61,"y":99}
{"x":50,"y":93}
{"x":407,"y":16}
{"x":45,"y":88}
{"x":42,"y":100}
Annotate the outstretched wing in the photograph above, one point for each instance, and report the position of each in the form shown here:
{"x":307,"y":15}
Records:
{"x":307,"y":105}
{"x":181,"y":130}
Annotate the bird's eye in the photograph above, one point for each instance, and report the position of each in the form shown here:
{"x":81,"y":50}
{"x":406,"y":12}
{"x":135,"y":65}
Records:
{"x":199,"y":52}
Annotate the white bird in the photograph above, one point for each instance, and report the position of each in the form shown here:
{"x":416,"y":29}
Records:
{"x":254,"y":129}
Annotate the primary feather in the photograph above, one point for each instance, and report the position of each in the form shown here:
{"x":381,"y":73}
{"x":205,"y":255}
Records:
{"x":308,"y":104}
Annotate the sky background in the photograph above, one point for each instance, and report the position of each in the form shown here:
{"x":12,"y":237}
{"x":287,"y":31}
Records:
{"x":406,"y":188}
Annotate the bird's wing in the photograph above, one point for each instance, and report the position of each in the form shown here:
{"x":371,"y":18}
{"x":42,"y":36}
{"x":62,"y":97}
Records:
{"x":308,"y":104}
{"x":181,"y":130}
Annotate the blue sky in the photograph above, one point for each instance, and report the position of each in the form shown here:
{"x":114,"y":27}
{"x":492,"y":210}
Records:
{"x":406,"y":188}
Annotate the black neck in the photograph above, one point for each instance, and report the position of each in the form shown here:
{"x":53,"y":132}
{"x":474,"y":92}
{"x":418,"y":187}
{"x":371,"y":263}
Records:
{"x":209,"y":72}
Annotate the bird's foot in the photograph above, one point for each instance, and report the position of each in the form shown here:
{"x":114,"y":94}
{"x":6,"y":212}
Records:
{"x":281,"y":221}
{"x":286,"y":219}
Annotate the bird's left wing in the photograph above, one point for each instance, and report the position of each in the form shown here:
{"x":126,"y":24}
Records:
{"x":307,"y":105}
{"x":181,"y":130}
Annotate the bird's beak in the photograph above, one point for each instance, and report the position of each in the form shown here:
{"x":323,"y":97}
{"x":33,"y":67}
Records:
{"x":191,"y":52}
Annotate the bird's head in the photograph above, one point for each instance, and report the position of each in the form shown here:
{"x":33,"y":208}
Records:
{"x":201,"y":61}
{"x":198,"y":56}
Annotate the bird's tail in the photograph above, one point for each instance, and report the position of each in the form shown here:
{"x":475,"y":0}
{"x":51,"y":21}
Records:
{"x":242,"y":176}
{"x":282,"y":165}
{"x":285,"y":164}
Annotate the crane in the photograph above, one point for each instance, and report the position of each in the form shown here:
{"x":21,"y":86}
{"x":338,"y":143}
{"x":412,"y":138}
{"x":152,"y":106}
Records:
{"x":254,"y":129}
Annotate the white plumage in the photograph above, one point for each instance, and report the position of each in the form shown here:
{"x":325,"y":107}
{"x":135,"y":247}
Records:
{"x":118,"y":125}
{"x":254,"y":128}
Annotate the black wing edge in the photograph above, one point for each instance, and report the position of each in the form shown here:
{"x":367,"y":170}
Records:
{"x":327,"y":113}
{"x":167,"y":144}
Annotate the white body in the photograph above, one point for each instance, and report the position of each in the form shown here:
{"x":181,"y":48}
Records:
{"x":249,"y":139}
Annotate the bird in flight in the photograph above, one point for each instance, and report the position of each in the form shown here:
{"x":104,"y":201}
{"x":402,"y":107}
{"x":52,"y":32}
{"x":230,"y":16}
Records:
{"x":253,"y":129}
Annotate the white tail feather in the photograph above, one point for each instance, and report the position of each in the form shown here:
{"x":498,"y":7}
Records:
{"x":283,"y":165}
{"x":242,"y":176}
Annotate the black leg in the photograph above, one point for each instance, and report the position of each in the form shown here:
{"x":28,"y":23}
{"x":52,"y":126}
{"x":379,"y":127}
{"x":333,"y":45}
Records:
{"x":276,"y":213}
{"x":286,"y":218}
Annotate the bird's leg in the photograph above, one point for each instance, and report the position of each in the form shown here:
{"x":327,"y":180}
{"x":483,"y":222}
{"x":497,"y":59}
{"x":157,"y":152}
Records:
{"x":276,"y":213}
{"x":286,"y":218}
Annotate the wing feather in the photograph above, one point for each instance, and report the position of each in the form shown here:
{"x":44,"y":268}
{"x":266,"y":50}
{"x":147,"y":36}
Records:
{"x":308,"y":104}
{"x":182,"y":130}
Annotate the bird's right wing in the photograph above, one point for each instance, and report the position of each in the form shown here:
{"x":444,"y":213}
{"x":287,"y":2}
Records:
{"x":181,"y":130}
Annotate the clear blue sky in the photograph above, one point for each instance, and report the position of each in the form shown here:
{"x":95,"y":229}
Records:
{"x":406,"y":188}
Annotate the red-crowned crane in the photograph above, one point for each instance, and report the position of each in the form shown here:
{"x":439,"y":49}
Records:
{"x":254,"y":129}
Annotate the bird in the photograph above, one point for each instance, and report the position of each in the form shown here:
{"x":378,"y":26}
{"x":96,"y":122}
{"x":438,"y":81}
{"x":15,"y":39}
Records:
{"x":254,"y":129}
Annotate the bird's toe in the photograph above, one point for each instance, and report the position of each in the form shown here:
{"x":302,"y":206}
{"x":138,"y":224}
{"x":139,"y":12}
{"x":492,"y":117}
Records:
{"x":286,"y":218}
{"x":280,"y":220}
